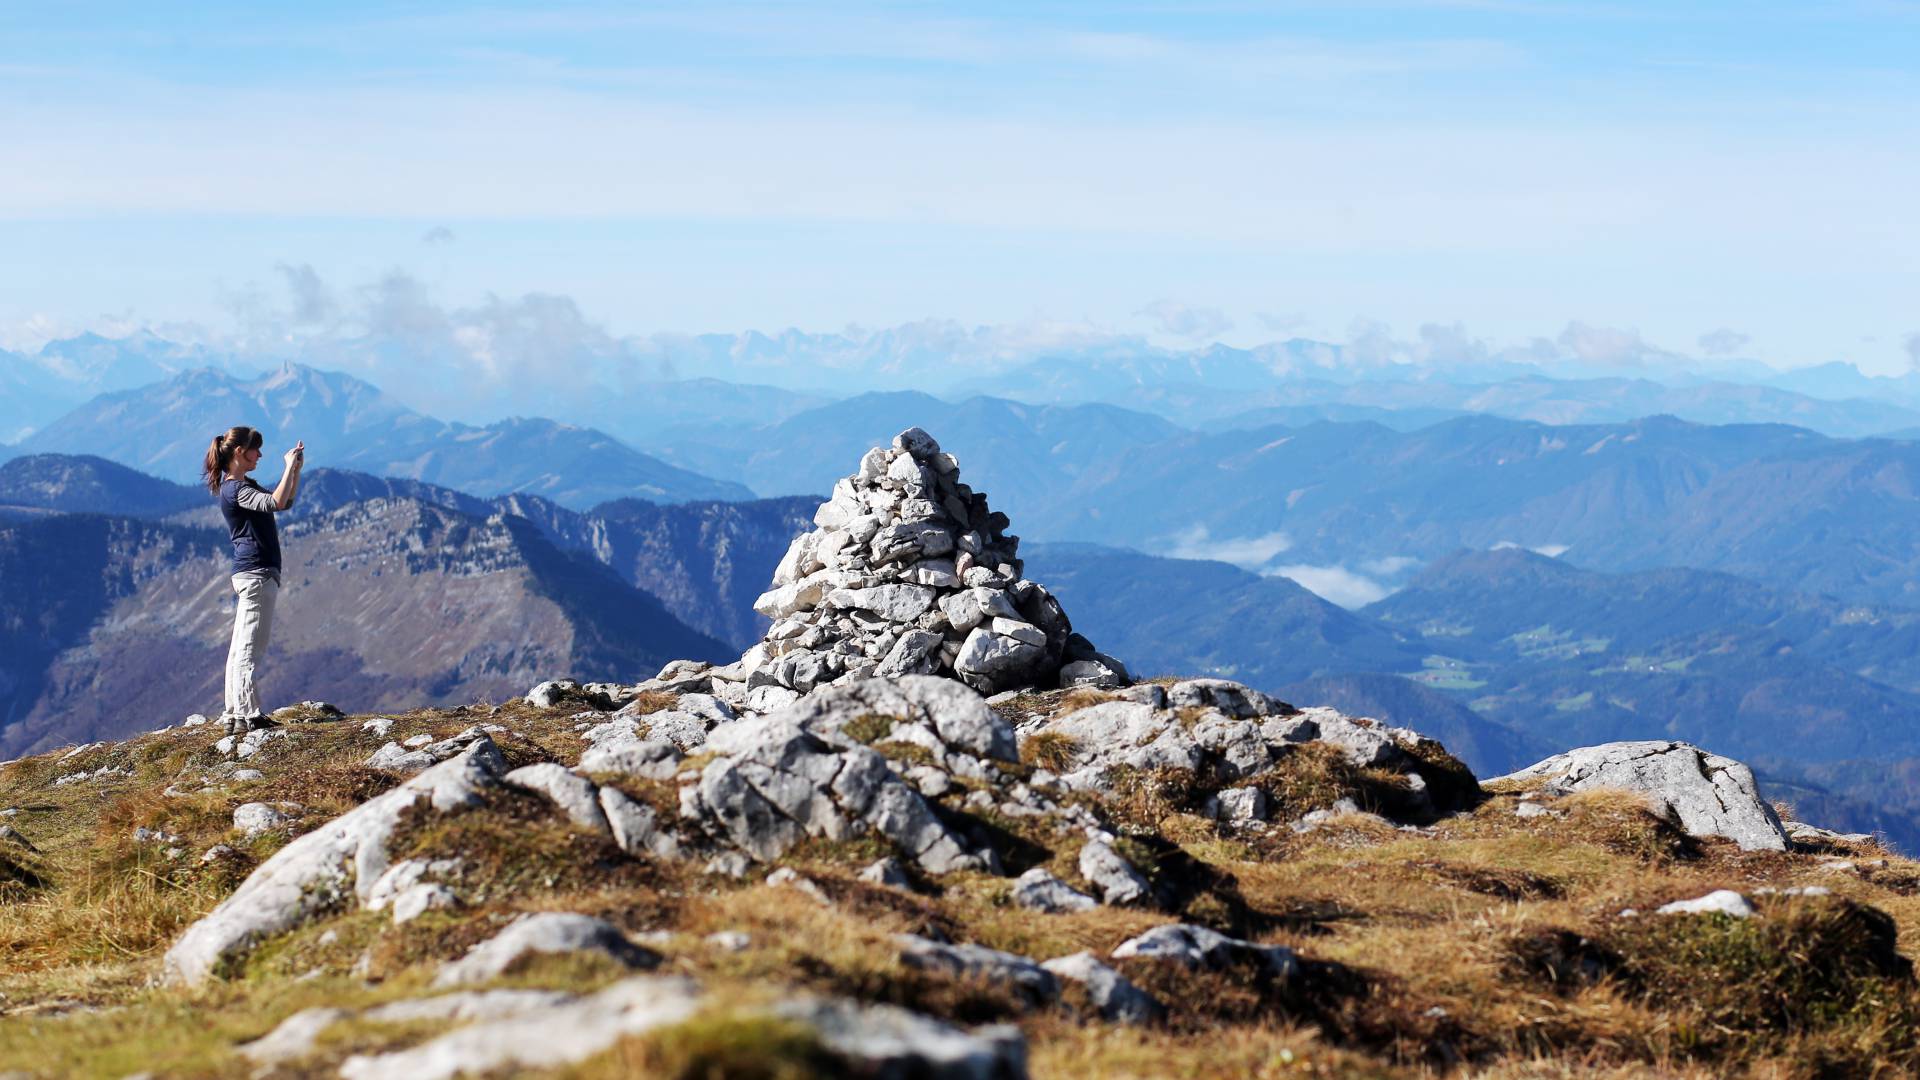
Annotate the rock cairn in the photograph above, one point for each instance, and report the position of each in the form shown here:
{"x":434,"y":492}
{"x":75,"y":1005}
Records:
{"x":910,"y":572}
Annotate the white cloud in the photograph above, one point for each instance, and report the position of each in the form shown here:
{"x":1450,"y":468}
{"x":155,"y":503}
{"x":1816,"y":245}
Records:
{"x":1551,"y":551}
{"x":438,"y":236}
{"x":397,"y":306}
{"x":28,"y":334}
{"x":1389,"y":566}
{"x":1335,"y":584}
{"x":1723,"y":342}
{"x":1604,"y":345}
{"x":1192,"y":323}
{"x":503,"y":355}
{"x":313,"y":302}
{"x":1370,"y":344}
{"x":1249,"y":553}
{"x":1449,"y":346}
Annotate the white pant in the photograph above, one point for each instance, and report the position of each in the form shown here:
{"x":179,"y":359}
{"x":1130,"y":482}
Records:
{"x":252,"y":621}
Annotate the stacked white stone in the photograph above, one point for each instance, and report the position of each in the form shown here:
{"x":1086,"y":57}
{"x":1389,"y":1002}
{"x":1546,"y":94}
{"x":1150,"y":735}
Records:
{"x":911,"y":573}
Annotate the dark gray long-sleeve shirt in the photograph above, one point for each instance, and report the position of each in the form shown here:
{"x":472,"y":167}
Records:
{"x":249,"y":511}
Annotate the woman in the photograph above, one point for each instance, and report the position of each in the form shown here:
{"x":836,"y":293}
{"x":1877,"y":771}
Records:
{"x":249,"y":510}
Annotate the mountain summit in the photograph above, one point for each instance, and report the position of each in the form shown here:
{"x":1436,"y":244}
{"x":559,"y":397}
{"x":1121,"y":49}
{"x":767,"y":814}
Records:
{"x":910,"y":572}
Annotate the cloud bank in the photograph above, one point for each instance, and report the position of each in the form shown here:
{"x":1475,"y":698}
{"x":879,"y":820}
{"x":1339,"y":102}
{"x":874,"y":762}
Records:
{"x":1248,"y":553}
{"x":1335,"y":584}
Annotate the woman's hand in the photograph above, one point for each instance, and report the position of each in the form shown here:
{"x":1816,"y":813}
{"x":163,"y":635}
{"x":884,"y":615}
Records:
{"x":297,"y":456}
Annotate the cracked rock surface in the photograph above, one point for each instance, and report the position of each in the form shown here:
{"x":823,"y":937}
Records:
{"x":1708,"y":794}
{"x":798,"y":773}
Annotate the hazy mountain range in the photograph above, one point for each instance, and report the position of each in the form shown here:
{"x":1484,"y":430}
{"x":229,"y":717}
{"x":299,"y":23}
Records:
{"x":1788,"y":641}
{"x":165,"y":428}
{"x":1352,"y":509}
{"x":653,"y":391}
{"x":418,"y":592}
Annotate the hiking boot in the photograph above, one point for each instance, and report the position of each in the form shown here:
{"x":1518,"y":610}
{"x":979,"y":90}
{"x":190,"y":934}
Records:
{"x":235,"y":725}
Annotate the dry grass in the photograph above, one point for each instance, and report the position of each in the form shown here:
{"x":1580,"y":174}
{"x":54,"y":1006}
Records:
{"x":1486,"y":946}
{"x":1084,"y":697}
{"x":1052,"y":750}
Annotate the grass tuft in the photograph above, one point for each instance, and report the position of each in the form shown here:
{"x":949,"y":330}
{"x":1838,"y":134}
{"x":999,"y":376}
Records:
{"x":1051,"y":750}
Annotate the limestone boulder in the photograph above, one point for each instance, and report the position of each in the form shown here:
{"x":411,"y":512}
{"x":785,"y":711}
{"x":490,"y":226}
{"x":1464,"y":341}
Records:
{"x":1198,"y":947}
{"x":1040,"y":890}
{"x":1108,"y":871}
{"x":572,"y":793}
{"x":543,"y":932}
{"x":325,"y":868}
{"x":1709,"y":795}
{"x":888,"y":1041}
{"x":544,"y":1037}
{"x":1112,"y":994}
{"x":778,"y":780}
{"x":1035,"y":984}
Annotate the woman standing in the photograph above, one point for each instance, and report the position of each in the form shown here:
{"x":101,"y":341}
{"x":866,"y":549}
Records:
{"x":249,"y":510}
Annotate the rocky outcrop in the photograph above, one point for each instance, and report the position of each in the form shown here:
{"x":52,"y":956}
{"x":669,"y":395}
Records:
{"x":910,"y":572}
{"x":1112,"y":994}
{"x":1200,"y":948}
{"x":1718,"y":902}
{"x":544,"y":932}
{"x":801,"y":771}
{"x":1707,"y":794}
{"x":1040,"y":890}
{"x":887,"y":1041}
{"x":543,"y":1037}
{"x":1226,"y":734}
{"x":1026,"y":979}
{"x":509,"y":1031}
{"x":324,"y":868}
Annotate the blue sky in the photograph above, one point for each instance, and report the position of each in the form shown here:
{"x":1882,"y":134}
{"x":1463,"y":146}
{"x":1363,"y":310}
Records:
{"x":1241,"y":171}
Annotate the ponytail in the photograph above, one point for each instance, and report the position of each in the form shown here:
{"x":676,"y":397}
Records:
{"x":220,"y":454}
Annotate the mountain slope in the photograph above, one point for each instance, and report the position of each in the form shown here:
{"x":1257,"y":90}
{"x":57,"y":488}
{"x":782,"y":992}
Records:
{"x":1207,"y":386}
{"x":165,"y":428}
{"x":63,"y":483}
{"x":1782,"y":505}
{"x":1839,"y":518}
{"x":707,"y":561}
{"x":388,"y":603}
{"x":36,"y":388}
{"x":1524,"y":605}
{"x":1022,"y":454}
{"x":1199,"y":616}
{"x":1573,"y":656}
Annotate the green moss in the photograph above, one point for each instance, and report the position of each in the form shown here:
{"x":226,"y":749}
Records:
{"x":869,"y":728}
{"x":905,"y":753}
{"x":736,"y":1046}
